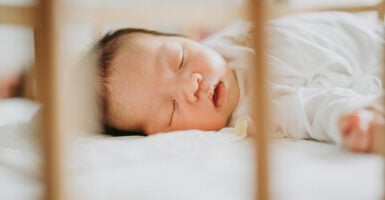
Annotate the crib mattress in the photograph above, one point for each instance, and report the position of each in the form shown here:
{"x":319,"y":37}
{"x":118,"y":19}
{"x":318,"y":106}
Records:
{"x":182,"y":165}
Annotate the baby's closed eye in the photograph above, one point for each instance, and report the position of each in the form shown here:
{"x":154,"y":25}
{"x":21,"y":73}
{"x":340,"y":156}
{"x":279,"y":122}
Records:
{"x":181,"y":58}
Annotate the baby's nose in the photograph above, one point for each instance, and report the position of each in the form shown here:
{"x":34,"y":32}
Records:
{"x":191,"y":87}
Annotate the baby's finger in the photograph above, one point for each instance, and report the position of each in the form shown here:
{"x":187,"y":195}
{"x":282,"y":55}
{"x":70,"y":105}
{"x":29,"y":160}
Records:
{"x":365,"y":139}
{"x":347,"y":123}
{"x":343,"y":125}
{"x":351,"y":141}
{"x":365,"y":119}
{"x":358,"y":140}
{"x":378,"y":137}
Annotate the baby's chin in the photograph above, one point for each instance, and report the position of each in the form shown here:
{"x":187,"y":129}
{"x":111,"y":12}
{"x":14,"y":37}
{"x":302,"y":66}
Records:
{"x":214,"y":125}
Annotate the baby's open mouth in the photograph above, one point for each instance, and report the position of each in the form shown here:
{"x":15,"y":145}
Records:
{"x":219,"y":94}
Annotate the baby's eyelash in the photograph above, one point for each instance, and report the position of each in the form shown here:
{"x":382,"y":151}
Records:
{"x":182,"y":59}
{"x":172,"y":113}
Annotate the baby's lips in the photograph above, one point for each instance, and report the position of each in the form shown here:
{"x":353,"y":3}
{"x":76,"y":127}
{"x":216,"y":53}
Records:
{"x":219,"y":94}
{"x":210,"y":92}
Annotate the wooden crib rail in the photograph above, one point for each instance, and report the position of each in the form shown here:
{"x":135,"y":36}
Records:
{"x":20,"y":15}
{"x":282,"y":9}
{"x":212,"y":14}
{"x":218,"y":14}
{"x":175,"y":14}
{"x":134,"y":14}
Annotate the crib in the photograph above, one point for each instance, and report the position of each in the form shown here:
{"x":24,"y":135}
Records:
{"x":50,"y":20}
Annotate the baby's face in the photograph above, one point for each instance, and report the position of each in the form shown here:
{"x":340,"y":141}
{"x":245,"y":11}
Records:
{"x":163,"y":83}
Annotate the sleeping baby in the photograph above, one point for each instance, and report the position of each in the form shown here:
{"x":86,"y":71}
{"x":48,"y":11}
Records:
{"x":323,"y":79}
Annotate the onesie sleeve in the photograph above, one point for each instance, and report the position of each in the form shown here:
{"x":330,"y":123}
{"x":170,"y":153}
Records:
{"x":313,"y":113}
{"x":321,"y":67}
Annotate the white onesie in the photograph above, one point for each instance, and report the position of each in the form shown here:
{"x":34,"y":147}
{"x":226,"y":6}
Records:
{"x":321,"y":65}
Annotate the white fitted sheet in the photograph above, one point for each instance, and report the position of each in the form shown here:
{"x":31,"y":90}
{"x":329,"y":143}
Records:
{"x":184,"y":165}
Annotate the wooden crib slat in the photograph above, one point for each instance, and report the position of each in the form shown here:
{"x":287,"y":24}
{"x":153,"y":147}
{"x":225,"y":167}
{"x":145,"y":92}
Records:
{"x":47,"y":93}
{"x":261,"y":112}
{"x":381,"y":10}
{"x":380,"y":139}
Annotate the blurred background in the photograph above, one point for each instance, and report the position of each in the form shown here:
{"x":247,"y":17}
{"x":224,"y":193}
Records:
{"x":16,"y":47}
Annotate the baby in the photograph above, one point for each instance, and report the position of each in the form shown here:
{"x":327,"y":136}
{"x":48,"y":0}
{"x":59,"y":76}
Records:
{"x":155,"y":82}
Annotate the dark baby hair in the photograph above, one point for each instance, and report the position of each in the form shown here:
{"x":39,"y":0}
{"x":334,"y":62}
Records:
{"x":107,"y":49}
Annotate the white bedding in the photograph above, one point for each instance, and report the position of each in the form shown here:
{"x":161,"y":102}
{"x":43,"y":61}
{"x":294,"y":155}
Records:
{"x":184,"y":165}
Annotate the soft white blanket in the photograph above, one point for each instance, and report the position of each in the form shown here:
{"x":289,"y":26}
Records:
{"x":184,"y":165}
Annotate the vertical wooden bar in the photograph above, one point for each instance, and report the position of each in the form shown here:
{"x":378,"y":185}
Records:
{"x":23,"y":15}
{"x":381,"y":137}
{"x":46,"y":48}
{"x":261,"y":117}
{"x":381,"y":129}
{"x":381,"y":10}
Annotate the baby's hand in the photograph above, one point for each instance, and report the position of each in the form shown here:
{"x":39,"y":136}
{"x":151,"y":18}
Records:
{"x":360,"y":128}
{"x":9,"y":85}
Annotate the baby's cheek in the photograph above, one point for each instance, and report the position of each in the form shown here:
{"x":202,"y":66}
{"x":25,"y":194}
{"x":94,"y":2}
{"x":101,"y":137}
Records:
{"x":215,"y":64}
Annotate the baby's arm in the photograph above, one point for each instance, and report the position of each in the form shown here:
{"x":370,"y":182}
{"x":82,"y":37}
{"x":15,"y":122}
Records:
{"x":314,"y":113}
{"x":361,"y":129}
{"x":18,"y":84}
{"x":9,"y":85}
